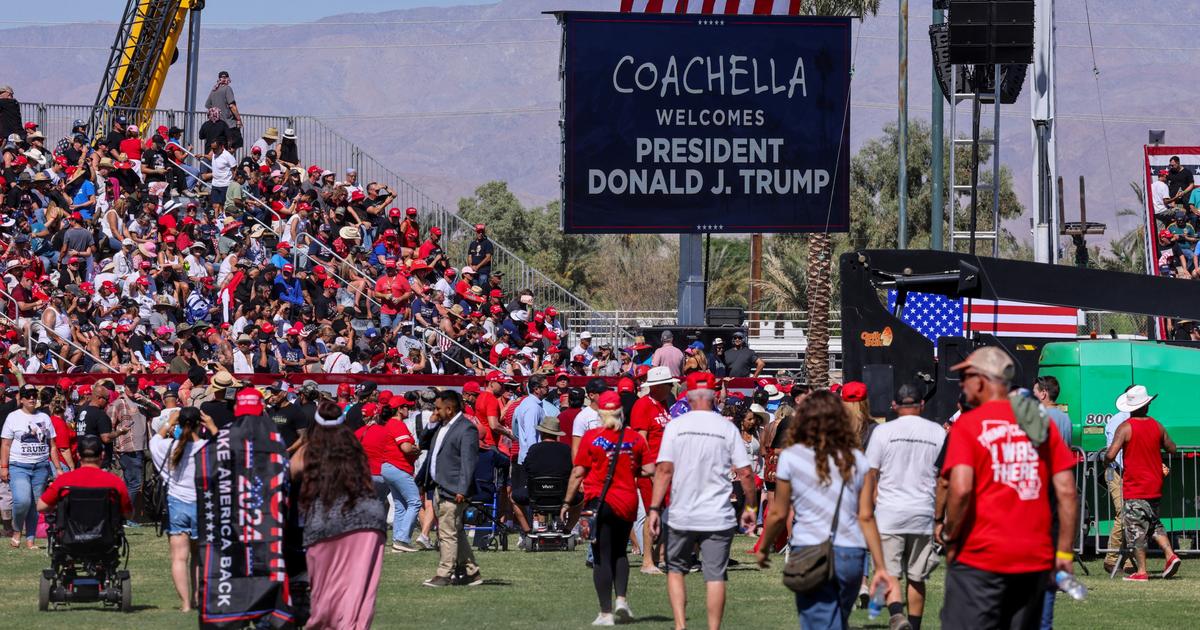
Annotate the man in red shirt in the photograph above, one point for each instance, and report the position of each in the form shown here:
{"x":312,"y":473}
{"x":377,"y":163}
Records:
{"x":471,"y":392}
{"x":649,"y":417}
{"x":88,"y":475}
{"x":997,"y":520}
{"x":1142,"y":439}
{"x":394,"y":293}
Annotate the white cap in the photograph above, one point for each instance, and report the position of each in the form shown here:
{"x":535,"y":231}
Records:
{"x":467,"y":269}
{"x":585,"y":335}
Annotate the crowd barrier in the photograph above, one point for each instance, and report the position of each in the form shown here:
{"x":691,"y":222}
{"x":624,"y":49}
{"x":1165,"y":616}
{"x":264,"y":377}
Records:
{"x":1179,"y":508}
{"x":329,"y":382}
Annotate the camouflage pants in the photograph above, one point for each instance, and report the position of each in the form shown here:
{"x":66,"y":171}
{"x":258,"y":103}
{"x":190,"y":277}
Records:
{"x":1141,"y":521}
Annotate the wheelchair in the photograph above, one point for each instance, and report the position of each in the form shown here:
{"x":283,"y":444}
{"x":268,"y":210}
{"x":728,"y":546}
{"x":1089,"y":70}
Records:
{"x":482,"y":517}
{"x":549,"y":532}
{"x":87,"y":547}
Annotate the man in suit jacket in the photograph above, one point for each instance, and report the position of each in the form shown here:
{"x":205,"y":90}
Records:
{"x":451,"y":461}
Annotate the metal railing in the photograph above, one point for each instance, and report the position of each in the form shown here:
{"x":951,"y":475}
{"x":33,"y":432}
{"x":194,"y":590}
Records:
{"x":319,"y":144}
{"x":29,"y":336}
{"x":1179,"y":507}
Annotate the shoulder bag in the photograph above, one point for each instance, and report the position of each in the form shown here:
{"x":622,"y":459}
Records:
{"x":808,"y":568}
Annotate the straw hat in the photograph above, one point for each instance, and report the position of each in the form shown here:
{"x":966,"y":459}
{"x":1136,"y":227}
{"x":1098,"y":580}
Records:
{"x":271,"y":134}
{"x":349,"y":233}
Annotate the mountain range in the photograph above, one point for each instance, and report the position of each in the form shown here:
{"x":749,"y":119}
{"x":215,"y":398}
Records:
{"x":451,"y":97}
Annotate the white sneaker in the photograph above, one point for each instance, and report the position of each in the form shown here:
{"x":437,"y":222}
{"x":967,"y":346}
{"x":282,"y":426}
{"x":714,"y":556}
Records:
{"x":423,"y":541}
{"x":622,"y":612}
{"x":604,"y":619}
{"x":523,"y":543}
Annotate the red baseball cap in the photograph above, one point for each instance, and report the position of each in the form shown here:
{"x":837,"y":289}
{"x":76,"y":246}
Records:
{"x":642,"y":371}
{"x":370,"y":409}
{"x":248,"y":403}
{"x":268,"y":328}
{"x":497,"y":309}
{"x":1164,"y":233}
{"x":609,"y":401}
{"x":412,"y":212}
{"x":283,"y":245}
{"x":314,"y":169}
{"x":390,"y":263}
{"x":330,"y":284}
{"x":626,"y":384}
{"x":854,"y":391}
{"x":357,"y":196}
{"x":435,"y":230}
{"x":319,"y":271}
{"x":471,"y":388}
{"x":496,"y":293}
{"x":286,"y":267}
{"x":701,"y":380}
{"x":550,"y":311}
{"x":394,"y":212}
{"x":497,"y":376}
{"x":479,"y":227}
{"x":345,"y":389}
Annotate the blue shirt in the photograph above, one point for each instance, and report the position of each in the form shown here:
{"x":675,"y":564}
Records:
{"x":81,"y":196}
{"x":528,"y":415}
{"x":279,"y":261}
{"x":290,"y":292}
{"x":1062,"y":421}
{"x":1110,"y":430}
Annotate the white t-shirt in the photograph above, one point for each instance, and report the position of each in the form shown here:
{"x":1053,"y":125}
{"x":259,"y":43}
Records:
{"x":222,"y":169}
{"x":904,"y":450}
{"x":704,"y":446}
{"x":31,"y":435}
{"x":181,"y":480}
{"x":586,"y":420}
{"x":1158,"y":192}
{"x":814,"y":501}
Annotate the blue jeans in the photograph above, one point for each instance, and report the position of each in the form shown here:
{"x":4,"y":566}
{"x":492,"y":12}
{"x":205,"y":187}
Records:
{"x":132,"y":466}
{"x":830,"y":605}
{"x":28,"y":482}
{"x":181,"y":517}
{"x":387,"y":321}
{"x":1048,"y":610}
{"x":406,"y":501}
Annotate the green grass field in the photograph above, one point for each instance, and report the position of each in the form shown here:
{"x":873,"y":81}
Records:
{"x":554,"y":590}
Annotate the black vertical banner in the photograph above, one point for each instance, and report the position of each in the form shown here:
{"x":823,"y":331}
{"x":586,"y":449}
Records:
{"x":241,"y":479}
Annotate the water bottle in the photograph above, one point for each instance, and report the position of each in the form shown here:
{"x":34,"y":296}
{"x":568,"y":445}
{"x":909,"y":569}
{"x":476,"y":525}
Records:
{"x":877,"y":603}
{"x":1071,"y":586}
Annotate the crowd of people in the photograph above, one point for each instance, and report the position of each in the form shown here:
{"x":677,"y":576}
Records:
{"x":125,"y":252}
{"x":857,"y":504}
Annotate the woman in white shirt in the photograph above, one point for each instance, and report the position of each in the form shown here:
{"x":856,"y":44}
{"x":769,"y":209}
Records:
{"x":173,"y":449}
{"x":27,"y":462}
{"x":822,"y":473}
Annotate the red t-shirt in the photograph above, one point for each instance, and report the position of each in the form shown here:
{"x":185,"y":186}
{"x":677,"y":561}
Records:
{"x":595,"y":448}
{"x":394,"y":286}
{"x":487,"y":406}
{"x":64,"y":435}
{"x":566,"y":421}
{"x":509,"y":446}
{"x":650,"y":416}
{"x":426,"y":249}
{"x":131,"y":147}
{"x":486,"y":439}
{"x":382,"y":445}
{"x":1007,"y":529}
{"x":87,"y":477}
{"x":1143,"y":478}
{"x":410,"y":234}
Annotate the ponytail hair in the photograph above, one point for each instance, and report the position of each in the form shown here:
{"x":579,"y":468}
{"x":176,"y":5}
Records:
{"x":189,"y":423}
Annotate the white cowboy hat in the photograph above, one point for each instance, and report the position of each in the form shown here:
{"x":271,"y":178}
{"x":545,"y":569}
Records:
{"x":658,"y":376}
{"x":773,"y":392}
{"x":1134,"y":399}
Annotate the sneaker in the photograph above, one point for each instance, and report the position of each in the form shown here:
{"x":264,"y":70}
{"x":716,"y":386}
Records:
{"x":1137,"y":577}
{"x":424,"y":542}
{"x":436,"y":581}
{"x":403,"y":547}
{"x":864,"y":596}
{"x":1172,"y":567}
{"x":133,"y":524}
{"x":899,"y":621}
{"x":474,"y":580}
{"x":622,"y":613}
{"x":523,"y":543}
{"x":604,"y":619}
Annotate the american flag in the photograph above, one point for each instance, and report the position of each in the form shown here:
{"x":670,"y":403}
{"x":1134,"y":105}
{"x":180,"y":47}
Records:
{"x":936,"y":316}
{"x":714,"y":7}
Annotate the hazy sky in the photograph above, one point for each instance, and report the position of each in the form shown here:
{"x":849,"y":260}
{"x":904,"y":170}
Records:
{"x":216,"y":13}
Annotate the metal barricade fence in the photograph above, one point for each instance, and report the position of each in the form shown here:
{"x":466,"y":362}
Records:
{"x":1179,"y":508}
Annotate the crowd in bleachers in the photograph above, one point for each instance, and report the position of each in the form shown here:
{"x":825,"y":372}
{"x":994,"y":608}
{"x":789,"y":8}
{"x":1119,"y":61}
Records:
{"x":125,"y":251}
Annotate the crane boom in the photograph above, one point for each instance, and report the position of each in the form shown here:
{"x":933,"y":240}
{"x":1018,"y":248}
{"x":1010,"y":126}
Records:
{"x":141,"y":55}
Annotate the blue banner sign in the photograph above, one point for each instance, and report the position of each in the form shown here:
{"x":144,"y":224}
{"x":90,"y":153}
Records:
{"x":703,"y":123}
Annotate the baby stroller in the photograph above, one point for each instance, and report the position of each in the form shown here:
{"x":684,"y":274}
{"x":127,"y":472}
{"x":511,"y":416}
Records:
{"x":549,"y":533}
{"x":87,"y":547}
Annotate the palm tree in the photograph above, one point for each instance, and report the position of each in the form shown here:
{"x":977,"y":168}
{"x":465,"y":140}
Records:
{"x":820,"y":247}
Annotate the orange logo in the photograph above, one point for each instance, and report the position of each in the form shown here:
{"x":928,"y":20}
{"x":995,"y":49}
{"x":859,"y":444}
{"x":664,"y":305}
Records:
{"x":878,"y":339}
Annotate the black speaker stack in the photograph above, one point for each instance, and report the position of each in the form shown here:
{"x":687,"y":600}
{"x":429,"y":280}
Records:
{"x":978,"y":35}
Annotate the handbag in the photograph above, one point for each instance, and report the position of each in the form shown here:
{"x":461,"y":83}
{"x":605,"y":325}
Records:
{"x":808,"y":568}
{"x":592,"y":509}
{"x":155,"y":502}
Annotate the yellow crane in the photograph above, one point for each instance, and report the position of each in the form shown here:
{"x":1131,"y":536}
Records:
{"x":141,"y":55}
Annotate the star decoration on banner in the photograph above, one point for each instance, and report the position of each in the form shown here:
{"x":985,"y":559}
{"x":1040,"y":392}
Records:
{"x":930,"y":314}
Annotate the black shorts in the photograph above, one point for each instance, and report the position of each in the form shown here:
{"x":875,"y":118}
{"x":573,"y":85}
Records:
{"x":981,"y":599}
{"x":503,"y":464}
{"x":516,"y":479}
